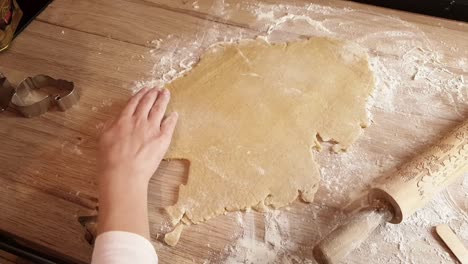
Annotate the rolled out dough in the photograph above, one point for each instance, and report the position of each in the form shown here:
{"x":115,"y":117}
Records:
{"x":251,"y":112}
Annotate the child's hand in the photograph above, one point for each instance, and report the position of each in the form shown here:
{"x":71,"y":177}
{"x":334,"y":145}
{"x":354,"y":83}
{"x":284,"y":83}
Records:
{"x":130,"y":150}
{"x":132,"y":146}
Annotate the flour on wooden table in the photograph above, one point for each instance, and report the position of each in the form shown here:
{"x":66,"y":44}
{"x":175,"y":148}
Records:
{"x":275,"y":247}
{"x":414,"y":79}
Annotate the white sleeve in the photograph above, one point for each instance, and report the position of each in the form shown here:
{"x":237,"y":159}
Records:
{"x":118,"y":247}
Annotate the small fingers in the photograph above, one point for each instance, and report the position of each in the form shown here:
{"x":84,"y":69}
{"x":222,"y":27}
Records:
{"x":133,"y":102}
{"x":146,"y":103}
{"x":159,"y":108}
{"x":168,"y":126}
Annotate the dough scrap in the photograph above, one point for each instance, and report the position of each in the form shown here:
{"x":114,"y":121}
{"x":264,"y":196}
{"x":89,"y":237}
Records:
{"x":172,"y":237}
{"x":250,"y":114}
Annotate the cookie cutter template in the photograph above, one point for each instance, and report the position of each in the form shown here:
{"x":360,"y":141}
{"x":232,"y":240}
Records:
{"x":35,"y":95}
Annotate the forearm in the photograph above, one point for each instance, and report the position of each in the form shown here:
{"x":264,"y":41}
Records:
{"x":123,"y":207}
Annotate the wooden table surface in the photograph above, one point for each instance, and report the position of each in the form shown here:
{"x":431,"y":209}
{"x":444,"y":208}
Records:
{"x":48,"y":176}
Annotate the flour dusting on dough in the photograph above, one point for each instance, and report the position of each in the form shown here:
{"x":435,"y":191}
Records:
{"x":277,"y":129}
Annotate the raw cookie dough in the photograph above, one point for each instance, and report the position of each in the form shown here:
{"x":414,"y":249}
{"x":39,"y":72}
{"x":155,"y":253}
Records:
{"x":173,"y":237}
{"x":250,"y":114}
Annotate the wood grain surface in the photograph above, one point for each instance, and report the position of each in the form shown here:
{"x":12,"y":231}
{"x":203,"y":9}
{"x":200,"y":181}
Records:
{"x":48,"y":176}
{"x":7,"y":258}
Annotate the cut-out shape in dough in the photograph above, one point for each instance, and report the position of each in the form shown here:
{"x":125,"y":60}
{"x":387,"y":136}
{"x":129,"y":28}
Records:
{"x":250,"y":113}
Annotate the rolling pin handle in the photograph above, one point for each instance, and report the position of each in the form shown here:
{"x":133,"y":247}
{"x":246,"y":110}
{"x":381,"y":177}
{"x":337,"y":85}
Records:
{"x":343,"y":240}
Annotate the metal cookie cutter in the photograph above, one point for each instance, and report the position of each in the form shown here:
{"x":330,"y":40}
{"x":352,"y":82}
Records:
{"x":35,"y":95}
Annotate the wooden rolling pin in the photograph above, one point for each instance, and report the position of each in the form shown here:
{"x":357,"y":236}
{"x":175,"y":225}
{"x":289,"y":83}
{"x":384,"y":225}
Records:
{"x":398,"y":196}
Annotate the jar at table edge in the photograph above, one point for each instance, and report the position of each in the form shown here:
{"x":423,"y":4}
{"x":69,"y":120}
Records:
{"x":10,"y":16}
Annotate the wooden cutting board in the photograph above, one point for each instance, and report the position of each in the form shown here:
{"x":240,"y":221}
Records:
{"x":48,"y":173}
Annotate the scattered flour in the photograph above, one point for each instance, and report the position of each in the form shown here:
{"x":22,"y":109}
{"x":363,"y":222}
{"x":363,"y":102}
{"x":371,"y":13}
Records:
{"x":463,"y":64}
{"x":71,"y":148}
{"x":275,"y":247}
{"x":413,"y":81}
{"x":106,"y":102}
